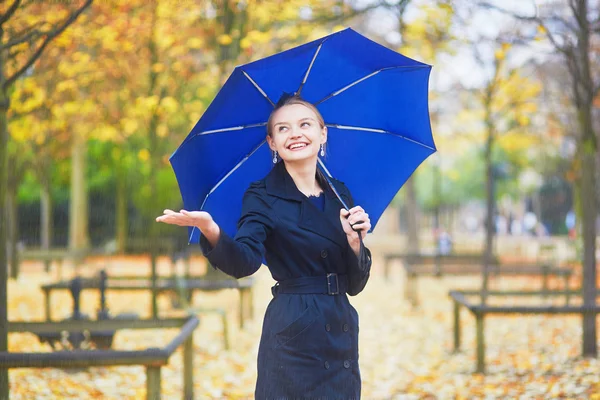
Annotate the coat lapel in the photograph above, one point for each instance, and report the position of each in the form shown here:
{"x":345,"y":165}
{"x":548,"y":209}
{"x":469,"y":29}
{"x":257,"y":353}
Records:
{"x":323,"y":223}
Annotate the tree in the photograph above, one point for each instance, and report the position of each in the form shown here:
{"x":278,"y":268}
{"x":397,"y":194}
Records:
{"x":570,"y":29}
{"x":21,"y":44}
{"x":506,"y":103}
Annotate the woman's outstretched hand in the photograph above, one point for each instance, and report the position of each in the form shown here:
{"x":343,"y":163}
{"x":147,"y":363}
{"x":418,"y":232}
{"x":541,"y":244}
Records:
{"x":353,"y":221}
{"x":200,"y":219}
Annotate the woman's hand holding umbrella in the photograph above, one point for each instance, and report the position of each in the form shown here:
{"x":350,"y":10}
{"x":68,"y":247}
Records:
{"x":200,"y":219}
{"x":355,"y":220}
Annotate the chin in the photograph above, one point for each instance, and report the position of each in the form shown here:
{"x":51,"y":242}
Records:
{"x":301,"y":158}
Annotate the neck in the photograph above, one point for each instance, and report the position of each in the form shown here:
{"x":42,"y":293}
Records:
{"x":304,"y":176}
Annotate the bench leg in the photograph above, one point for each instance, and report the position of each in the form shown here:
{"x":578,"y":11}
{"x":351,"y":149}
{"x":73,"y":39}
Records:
{"x":386,"y":270}
{"x":480,"y":344}
{"x":410,"y":291}
{"x":225,"y":330}
{"x":456,"y":326}
{"x":188,"y":369}
{"x":152,"y":383}
{"x":243,"y":307}
{"x":545,"y":282}
{"x":567,"y":290}
{"x":47,"y":307}
{"x":59,"y":269}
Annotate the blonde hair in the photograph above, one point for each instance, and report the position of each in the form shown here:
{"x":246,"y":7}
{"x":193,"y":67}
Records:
{"x":288,"y":101}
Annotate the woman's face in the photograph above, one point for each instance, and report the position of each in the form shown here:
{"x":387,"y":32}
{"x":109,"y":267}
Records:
{"x":296,"y":134}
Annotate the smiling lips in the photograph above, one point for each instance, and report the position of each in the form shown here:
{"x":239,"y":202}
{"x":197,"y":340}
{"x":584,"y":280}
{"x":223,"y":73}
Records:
{"x":297,"y":146}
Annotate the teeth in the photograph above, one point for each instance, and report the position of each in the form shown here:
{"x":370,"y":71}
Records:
{"x":296,"y":146}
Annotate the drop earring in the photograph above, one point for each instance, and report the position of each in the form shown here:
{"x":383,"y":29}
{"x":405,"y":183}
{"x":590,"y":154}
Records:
{"x":275,"y":157}
{"x":322,"y":150}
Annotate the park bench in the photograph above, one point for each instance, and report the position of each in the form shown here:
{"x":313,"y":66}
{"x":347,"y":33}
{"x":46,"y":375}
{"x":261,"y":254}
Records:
{"x":480,"y":311}
{"x":416,"y":265}
{"x":153,"y":358}
{"x":52,"y":255}
{"x":166,"y":285}
{"x":438,"y":262}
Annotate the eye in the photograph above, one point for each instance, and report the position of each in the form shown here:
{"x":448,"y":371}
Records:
{"x":281,"y":128}
{"x":305,"y":123}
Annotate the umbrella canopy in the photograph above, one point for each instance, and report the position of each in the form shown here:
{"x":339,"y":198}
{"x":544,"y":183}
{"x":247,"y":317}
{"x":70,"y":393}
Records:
{"x":374,"y":102}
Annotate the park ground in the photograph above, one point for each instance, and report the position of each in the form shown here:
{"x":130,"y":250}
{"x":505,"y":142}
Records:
{"x":405,"y":352}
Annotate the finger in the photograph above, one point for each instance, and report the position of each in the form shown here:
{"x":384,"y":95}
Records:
{"x":344,"y":213}
{"x":356,"y":209}
{"x":361,"y":227}
{"x":167,"y":212}
{"x":358,"y":217}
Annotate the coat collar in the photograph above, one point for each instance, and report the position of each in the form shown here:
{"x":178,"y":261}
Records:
{"x":280,"y":184}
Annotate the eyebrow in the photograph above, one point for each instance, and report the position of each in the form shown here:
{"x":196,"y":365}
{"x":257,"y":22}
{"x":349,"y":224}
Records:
{"x":300,"y":120}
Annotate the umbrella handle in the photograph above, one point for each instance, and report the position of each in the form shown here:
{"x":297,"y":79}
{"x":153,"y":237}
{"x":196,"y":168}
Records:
{"x":324,"y":174}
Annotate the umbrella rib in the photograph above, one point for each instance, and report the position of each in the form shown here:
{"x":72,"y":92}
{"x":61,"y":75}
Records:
{"x":233,"y":128}
{"x":356,"y":82}
{"x":357,"y":128}
{"x":230,"y":129}
{"x":239,"y":164}
{"x":258,"y":87}
{"x":309,"y":69}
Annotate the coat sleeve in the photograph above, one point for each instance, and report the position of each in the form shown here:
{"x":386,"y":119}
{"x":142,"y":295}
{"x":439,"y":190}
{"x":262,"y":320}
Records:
{"x":242,"y":255}
{"x":359,"y":268}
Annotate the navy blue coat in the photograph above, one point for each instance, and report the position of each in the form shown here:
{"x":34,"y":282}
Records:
{"x":309,"y":342}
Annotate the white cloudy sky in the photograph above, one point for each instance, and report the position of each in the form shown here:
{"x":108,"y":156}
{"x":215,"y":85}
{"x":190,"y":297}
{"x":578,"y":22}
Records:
{"x":462,"y":66}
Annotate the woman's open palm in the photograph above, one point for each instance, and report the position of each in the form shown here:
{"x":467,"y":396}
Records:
{"x":199,"y":219}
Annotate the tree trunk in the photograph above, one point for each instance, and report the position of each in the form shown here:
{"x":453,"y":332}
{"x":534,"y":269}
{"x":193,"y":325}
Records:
{"x":153,"y":149}
{"x":590,"y":214}
{"x":121,"y":218}
{"x":583,"y":89}
{"x":412,"y":211}
{"x":4,"y":104}
{"x":46,"y":216}
{"x":13,"y":231}
{"x":78,"y":209}
{"x":490,"y":202}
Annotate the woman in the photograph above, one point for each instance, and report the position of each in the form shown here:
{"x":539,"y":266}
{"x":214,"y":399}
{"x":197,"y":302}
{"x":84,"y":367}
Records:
{"x":292,"y":218}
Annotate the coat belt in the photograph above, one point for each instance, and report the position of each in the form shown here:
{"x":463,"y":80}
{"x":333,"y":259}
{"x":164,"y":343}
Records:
{"x":331,"y":284}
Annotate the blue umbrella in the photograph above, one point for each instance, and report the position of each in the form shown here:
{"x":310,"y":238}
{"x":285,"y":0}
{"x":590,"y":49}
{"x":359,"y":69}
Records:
{"x":374,"y":103}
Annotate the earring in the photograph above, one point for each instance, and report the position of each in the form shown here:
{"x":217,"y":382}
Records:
{"x":322,"y":150}
{"x":275,"y":157}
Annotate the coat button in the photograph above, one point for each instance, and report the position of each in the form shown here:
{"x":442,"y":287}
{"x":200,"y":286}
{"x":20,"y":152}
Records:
{"x":345,"y":327}
{"x":327,"y":327}
{"x":326,"y":364}
{"x":323,"y":253}
{"x":346,"y":364}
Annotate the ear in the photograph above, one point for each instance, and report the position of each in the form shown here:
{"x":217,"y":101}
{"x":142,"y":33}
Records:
{"x":270,"y":143}
{"x":324,"y":135}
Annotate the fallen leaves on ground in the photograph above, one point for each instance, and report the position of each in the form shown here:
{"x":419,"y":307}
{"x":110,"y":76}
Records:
{"x":405,"y":352}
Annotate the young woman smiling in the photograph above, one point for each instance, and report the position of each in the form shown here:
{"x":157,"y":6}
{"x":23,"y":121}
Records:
{"x":293,"y":220}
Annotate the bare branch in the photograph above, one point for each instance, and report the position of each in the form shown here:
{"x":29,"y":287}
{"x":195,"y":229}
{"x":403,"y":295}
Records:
{"x":345,"y":17}
{"x":9,"y":13}
{"x":32,"y":35}
{"x":536,"y":19}
{"x":574,"y":10}
{"x":49,"y":38}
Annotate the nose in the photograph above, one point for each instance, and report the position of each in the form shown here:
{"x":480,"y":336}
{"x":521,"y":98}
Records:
{"x":295,"y":133}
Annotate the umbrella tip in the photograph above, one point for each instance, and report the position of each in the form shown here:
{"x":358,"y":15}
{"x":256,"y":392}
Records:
{"x":285,"y":97}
